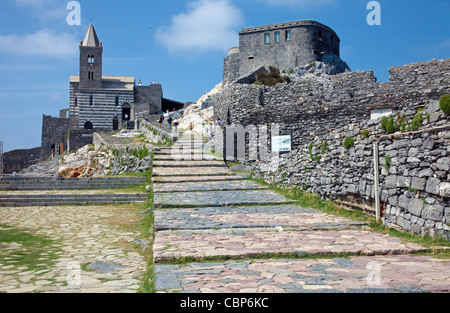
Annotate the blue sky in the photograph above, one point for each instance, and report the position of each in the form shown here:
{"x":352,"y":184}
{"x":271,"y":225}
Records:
{"x":185,"y":46}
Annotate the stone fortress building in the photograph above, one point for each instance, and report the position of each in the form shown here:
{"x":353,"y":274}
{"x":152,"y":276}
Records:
{"x":284,"y":45}
{"x":98,"y":102}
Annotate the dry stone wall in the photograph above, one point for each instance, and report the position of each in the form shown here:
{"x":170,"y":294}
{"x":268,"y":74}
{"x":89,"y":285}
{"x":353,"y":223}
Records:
{"x":320,"y":114}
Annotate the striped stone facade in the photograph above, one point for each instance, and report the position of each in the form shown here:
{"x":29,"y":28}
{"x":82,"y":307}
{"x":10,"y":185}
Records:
{"x":101,"y":107}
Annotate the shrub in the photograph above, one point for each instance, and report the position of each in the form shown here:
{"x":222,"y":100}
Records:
{"x":349,"y":142}
{"x":366,"y":133}
{"x":444,"y":104}
{"x":388,"y":125}
{"x":270,"y":77}
{"x":417,"y":122}
{"x":387,"y":162}
{"x":324,"y":147}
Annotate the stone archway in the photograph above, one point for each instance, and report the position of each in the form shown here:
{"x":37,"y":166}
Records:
{"x":88,"y":125}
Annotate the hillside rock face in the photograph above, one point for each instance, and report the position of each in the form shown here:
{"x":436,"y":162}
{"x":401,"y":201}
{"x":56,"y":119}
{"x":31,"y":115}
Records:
{"x":330,"y":65}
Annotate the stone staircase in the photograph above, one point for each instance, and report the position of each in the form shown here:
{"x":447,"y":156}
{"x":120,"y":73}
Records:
{"x":24,"y":191}
{"x":47,"y":200}
{"x":10,"y":183}
{"x":205,"y":213}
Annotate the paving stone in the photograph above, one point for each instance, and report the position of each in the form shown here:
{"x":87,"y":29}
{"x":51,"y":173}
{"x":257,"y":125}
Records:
{"x":182,"y":179}
{"x":165,"y":268}
{"x":207,"y":186}
{"x":194,"y":171}
{"x":218,"y":198}
{"x":165,"y":281}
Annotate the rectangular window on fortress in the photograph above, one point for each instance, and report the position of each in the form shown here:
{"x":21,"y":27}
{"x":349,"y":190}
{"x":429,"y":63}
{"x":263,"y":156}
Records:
{"x":267,"y":38}
{"x":288,"y":35}
{"x":277,"y":36}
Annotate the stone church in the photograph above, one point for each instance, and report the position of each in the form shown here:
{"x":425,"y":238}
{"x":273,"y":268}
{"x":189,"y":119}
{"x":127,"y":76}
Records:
{"x":98,"y":102}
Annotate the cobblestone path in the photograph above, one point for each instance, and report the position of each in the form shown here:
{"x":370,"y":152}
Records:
{"x":202,"y":214}
{"x":91,"y":236}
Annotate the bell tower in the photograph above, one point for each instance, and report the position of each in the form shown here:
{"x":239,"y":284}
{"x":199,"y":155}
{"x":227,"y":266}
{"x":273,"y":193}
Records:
{"x":91,"y":51}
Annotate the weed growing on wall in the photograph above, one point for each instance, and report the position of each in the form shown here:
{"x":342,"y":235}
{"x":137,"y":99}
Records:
{"x":444,"y":104}
{"x":349,"y":142}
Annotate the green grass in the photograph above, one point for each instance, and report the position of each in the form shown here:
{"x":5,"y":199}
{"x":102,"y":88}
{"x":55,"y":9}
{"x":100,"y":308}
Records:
{"x":147,"y":230}
{"x":257,"y":256}
{"x":22,"y":248}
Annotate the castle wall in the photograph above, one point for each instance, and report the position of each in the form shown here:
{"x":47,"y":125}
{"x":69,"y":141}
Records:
{"x":148,"y":99}
{"x":54,"y":132}
{"x":17,"y":160}
{"x":415,"y":188}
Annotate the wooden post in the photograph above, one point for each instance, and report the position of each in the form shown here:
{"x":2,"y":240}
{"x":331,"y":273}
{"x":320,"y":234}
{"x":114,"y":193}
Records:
{"x":376,"y":181}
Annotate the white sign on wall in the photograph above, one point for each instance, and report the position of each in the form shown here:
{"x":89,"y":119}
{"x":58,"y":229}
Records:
{"x":376,"y":114}
{"x":281,"y":144}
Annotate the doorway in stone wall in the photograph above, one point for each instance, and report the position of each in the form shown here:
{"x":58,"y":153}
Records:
{"x":88,"y":125}
{"x":126,"y":111}
{"x":115,"y":123}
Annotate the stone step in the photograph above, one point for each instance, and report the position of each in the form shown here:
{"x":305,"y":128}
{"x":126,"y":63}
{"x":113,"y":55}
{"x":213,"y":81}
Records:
{"x":181,"y":152}
{"x":218,"y":198}
{"x":182,"y":179}
{"x":254,"y":241}
{"x":66,"y":199}
{"x":69,"y":183}
{"x":203,"y":163}
{"x":186,"y":157}
{"x":191,"y":171}
{"x":71,"y":180}
{"x":283,"y":217}
{"x":207,"y":186}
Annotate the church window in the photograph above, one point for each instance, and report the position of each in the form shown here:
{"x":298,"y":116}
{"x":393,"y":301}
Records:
{"x":288,"y":35}
{"x":117,"y":101}
{"x":277,"y":36}
{"x":76,"y":101}
{"x":91,"y":100}
{"x":91,"y":59}
{"x":267,"y":38}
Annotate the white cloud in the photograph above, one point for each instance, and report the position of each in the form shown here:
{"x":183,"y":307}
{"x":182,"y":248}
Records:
{"x":45,"y":9}
{"x":43,"y":43}
{"x":207,"y":25}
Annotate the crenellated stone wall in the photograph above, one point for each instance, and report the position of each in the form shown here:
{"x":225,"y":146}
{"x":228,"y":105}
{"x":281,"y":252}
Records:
{"x":320,"y":114}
